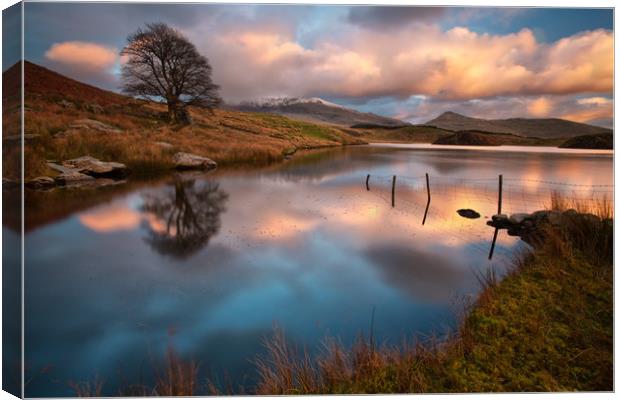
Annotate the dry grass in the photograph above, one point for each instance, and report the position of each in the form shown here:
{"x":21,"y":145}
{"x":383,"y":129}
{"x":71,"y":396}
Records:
{"x":228,"y":137}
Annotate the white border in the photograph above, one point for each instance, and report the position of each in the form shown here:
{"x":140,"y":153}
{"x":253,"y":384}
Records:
{"x":478,"y":3}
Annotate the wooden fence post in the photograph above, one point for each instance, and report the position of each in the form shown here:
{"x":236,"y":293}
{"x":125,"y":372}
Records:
{"x":428,"y":200}
{"x":499,"y":198}
{"x":367,"y":178}
{"x":393,"y":188}
{"x":499,"y":211}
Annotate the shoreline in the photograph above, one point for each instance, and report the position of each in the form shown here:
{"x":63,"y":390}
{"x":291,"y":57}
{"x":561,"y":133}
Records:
{"x":501,"y":148}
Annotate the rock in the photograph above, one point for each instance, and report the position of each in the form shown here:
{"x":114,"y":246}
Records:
{"x":570,"y":213}
{"x":468,"y":213}
{"x":163,"y":145}
{"x":66,"y":104}
{"x":554,"y":218}
{"x":69,"y":176}
{"x":93,"y":108}
{"x":91,"y":124}
{"x":96,"y":168}
{"x":192,"y":161}
{"x":519,"y":218}
{"x":73,"y":178}
{"x":41,"y":182}
{"x":499,"y":221}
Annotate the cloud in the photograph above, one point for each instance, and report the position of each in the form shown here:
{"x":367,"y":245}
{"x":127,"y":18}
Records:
{"x":457,"y":64}
{"x":392,"y":17}
{"x":85,"y":61}
{"x":82,"y":54}
{"x":540,"y":107}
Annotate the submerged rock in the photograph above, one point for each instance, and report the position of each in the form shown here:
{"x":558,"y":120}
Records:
{"x":468,"y":213}
{"x":192,"y":161}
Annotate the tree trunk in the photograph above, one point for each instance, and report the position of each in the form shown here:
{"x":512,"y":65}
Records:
{"x":173,"y":112}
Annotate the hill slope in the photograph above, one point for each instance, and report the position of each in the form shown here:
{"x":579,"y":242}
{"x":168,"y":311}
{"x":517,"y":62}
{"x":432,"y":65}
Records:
{"x":481,"y":138}
{"x":316,"y":110}
{"x":542,"y":128}
{"x":600,"y":141}
{"x":68,"y":119}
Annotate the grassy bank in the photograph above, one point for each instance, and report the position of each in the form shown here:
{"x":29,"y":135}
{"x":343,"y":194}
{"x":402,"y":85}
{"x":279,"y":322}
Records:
{"x":547,"y":326}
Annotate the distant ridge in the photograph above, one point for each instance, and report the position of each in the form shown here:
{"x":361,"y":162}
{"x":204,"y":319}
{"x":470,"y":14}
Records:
{"x":316,"y":110}
{"x":542,"y":128}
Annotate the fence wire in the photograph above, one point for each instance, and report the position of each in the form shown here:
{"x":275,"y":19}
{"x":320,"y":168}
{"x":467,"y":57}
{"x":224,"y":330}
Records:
{"x":481,"y":194}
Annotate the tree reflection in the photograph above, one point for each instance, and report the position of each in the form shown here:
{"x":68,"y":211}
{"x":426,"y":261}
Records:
{"x":186,"y":215}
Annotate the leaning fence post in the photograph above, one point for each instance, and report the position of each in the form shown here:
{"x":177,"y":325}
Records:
{"x":393,"y":188}
{"x":367,"y":178}
{"x":428,"y":200}
{"x":499,"y":198}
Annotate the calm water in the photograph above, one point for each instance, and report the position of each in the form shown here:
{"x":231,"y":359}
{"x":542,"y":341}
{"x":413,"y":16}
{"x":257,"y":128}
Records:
{"x":212,"y":263}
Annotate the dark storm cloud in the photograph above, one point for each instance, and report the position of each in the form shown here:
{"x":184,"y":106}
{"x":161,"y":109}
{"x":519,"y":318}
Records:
{"x":11,"y":34}
{"x":393,"y":17}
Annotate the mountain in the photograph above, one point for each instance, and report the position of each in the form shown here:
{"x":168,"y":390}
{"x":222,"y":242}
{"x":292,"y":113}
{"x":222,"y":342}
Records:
{"x":542,"y":128}
{"x":315,"y":110}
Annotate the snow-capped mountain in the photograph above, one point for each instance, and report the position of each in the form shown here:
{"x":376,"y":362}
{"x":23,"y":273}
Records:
{"x":315,"y":109}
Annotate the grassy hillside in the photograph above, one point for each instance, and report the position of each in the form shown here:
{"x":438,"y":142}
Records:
{"x":134,"y":133}
{"x":404,"y":134}
{"x":600,"y":141}
{"x":478,"y":138}
{"x":541,"y":128}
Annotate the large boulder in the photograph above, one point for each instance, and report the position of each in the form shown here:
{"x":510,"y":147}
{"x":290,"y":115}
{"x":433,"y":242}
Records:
{"x":192,"y":161}
{"x":99,"y":169}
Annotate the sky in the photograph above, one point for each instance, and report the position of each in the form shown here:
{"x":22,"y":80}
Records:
{"x":411,"y":63}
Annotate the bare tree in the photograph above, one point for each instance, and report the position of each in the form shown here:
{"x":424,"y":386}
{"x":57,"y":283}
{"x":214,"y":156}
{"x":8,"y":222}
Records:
{"x":164,"y":64}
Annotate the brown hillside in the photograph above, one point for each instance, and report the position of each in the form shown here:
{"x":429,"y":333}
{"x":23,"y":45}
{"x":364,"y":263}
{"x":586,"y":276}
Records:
{"x":66,"y":119}
{"x":40,"y":81}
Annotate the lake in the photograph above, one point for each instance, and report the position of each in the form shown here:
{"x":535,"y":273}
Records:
{"x":211,"y":263}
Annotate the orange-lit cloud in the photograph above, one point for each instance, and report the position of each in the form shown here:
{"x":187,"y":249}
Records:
{"x":83,"y":54}
{"x":540,"y":107}
{"x":424,"y":60}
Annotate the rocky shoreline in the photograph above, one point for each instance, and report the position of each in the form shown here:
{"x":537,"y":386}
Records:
{"x":534,"y":228}
{"x":87,"y":171}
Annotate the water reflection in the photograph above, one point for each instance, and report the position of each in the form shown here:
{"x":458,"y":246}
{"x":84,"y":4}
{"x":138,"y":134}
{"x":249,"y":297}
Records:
{"x":186,"y":216}
{"x":294,"y":244}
